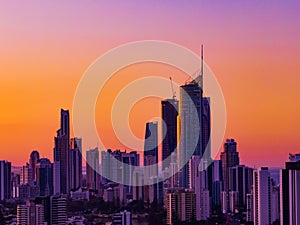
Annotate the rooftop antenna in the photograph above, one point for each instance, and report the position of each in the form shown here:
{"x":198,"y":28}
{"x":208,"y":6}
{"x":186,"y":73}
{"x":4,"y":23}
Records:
{"x":173,"y":92}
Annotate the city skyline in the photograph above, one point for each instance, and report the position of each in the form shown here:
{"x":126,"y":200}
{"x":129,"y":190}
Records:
{"x":45,"y":49}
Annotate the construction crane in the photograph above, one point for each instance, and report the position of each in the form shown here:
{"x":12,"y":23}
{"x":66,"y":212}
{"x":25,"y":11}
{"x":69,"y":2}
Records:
{"x":173,"y":92}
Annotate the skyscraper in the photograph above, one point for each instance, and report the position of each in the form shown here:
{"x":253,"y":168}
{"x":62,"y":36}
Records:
{"x":289,"y":192}
{"x":229,"y":158}
{"x":198,"y":183}
{"x":26,"y":175}
{"x":61,"y":150}
{"x":92,"y":169}
{"x":240,"y":180}
{"x":75,"y":163}
{"x":262,"y":197}
{"x":206,"y":124}
{"x":190,"y":127}
{"x":5,"y":180}
{"x":151,"y":142}
{"x":169,"y":113}
{"x":33,"y":160}
{"x":190,"y":112}
{"x":44,"y":177}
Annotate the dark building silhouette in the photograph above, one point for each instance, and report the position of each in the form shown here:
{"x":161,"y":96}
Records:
{"x":151,"y":143}
{"x":44,"y":177}
{"x":5,"y":180}
{"x":75,"y":163}
{"x":33,"y":160}
{"x":169,"y":111}
{"x":290,"y":191}
{"x":61,"y":150}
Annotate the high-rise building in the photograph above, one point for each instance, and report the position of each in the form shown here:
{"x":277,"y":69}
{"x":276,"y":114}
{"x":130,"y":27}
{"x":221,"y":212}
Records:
{"x":44,"y":177}
{"x":92,"y":169}
{"x":240,"y":180}
{"x":75,"y":163}
{"x":262,"y":198}
{"x":169,"y":113}
{"x":289,"y":192}
{"x":190,"y":114}
{"x":151,"y":148}
{"x":61,"y":150}
{"x":33,"y":160}
{"x":206,"y":124}
{"x":229,"y":158}
{"x":181,"y":206}
{"x":198,"y":183}
{"x":30,"y":214}
{"x":217,"y":184}
{"x":26,"y":175}
{"x":5,"y":180}
{"x":58,"y":210}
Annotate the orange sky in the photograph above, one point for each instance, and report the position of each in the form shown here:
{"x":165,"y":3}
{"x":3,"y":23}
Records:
{"x":252,"y":48}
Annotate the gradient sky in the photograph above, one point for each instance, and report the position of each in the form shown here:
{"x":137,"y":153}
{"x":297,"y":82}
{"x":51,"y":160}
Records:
{"x":253,"y":47}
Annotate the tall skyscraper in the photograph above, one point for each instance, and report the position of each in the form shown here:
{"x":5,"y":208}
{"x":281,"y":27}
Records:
{"x":5,"y":180}
{"x":33,"y":160}
{"x":262,"y":198}
{"x":44,"y":177}
{"x":58,"y":210}
{"x":151,"y":142}
{"x":190,"y":127}
{"x":290,"y":192}
{"x":229,"y":158}
{"x":169,"y":113}
{"x":206,"y":128}
{"x":92,"y":169}
{"x":61,"y":150}
{"x":75,"y":163}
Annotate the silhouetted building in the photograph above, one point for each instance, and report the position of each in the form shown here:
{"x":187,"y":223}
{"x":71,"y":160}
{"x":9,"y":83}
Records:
{"x":151,"y":148}
{"x":169,"y":113}
{"x":33,"y":160}
{"x":229,"y":158}
{"x":61,"y":151}
{"x":75,"y":163}
{"x":290,"y":192}
{"x":44,"y":177}
{"x":241,"y":180}
{"x":5,"y":180}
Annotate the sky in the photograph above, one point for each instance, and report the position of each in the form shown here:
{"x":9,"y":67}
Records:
{"x":252,"y":47}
